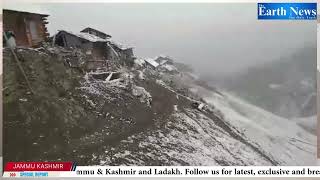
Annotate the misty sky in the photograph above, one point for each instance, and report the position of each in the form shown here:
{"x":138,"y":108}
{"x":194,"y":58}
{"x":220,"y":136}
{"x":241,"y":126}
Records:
{"x":213,"y":38}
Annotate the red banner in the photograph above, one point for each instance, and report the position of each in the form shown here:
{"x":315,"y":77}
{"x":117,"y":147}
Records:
{"x":39,"y":166}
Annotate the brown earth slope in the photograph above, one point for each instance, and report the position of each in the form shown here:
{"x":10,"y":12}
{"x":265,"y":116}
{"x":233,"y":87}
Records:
{"x":61,"y":121}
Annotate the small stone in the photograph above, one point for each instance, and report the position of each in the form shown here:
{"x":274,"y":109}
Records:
{"x":23,"y":99}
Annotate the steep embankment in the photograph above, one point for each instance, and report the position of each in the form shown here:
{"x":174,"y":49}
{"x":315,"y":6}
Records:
{"x":63,"y":116}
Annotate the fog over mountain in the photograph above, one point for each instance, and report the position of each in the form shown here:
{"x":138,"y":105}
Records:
{"x":214,"y":38}
{"x":286,"y":87}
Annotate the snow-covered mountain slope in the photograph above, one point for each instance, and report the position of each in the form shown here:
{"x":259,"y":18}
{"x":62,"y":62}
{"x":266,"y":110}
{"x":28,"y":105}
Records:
{"x":236,"y":133}
{"x":282,"y":139}
{"x":287,"y":142}
{"x":308,"y":123}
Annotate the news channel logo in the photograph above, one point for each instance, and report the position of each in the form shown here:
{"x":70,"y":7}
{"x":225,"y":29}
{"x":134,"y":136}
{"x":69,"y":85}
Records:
{"x":287,"y":11}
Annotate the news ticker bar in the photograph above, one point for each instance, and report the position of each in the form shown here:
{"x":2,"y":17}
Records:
{"x":40,"y":166}
{"x":69,"y":169}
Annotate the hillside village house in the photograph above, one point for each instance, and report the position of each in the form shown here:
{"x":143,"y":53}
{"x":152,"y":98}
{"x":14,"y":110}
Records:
{"x":151,"y":63}
{"x":162,"y":63}
{"x":96,"y":44}
{"x":116,"y":51}
{"x":29,"y":29}
{"x":91,"y":44}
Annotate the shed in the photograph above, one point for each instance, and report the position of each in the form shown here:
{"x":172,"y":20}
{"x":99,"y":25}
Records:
{"x":96,"y":33}
{"x":152,"y":63}
{"x":29,"y":28}
{"x":89,"y":43}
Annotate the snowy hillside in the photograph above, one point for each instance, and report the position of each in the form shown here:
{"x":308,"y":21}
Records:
{"x":284,"y":140}
{"x":308,"y":123}
{"x":237,"y":134}
{"x":287,"y":142}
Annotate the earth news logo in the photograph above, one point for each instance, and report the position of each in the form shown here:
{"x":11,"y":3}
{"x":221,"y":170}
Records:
{"x":287,"y":11}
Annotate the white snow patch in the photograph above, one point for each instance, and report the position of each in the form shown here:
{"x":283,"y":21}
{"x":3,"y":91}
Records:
{"x":142,"y":94}
{"x":23,"y":99}
{"x":275,"y":86}
{"x":175,"y":107}
{"x":141,"y":75}
{"x":140,"y":62}
{"x":201,"y":106}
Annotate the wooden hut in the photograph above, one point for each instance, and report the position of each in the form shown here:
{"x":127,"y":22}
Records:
{"x":29,"y":28}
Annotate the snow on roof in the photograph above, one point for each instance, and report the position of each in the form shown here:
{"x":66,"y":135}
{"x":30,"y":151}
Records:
{"x":163,"y":61}
{"x":85,"y":30}
{"x":152,"y":62}
{"x":120,"y":46}
{"x":22,"y":10}
{"x":91,"y":37}
{"x":86,"y":36}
